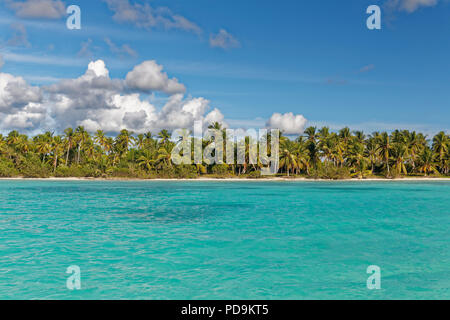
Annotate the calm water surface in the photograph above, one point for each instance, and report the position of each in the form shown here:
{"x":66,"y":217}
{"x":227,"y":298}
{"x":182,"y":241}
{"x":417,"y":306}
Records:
{"x":224,"y":240}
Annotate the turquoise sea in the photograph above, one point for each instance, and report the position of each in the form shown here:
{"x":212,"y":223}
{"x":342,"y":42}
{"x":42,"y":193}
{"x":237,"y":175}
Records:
{"x":224,"y":240}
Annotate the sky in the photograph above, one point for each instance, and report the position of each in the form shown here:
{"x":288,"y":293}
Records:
{"x":148,"y":65}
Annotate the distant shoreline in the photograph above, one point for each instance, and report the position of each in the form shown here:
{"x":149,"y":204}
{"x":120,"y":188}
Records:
{"x":278,"y":179}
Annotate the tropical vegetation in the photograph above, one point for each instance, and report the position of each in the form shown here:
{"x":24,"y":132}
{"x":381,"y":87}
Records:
{"x":318,"y":153}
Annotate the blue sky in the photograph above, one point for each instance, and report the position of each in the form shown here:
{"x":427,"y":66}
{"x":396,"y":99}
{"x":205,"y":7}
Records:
{"x":312,"y":58}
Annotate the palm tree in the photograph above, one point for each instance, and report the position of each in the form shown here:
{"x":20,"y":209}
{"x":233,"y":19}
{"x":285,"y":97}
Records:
{"x":357,"y":159}
{"x":402,"y":153}
{"x":69,"y":137}
{"x":302,"y":156}
{"x":415,"y":145}
{"x":427,"y":164}
{"x":164,"y":156}
{"x":43,"y":144}
{"x":313,"y":149}
{"x":215,"y":125}
{"x":123,"y":141}
{"x":140,"y":141}
{"x":345,"y":135}
{"x":81,"y":136}
{"x":100,"y":138}
{"x":384,"y":147}
{"x":371,"y":152}
{"x":13,"y":138}
{"x":56,"y":148}
{"x":288,"y":159}
{"x":147,"y":160}
{"x":164,"y":136}
{"x":399,"y":156}
{"x":440,"y":147}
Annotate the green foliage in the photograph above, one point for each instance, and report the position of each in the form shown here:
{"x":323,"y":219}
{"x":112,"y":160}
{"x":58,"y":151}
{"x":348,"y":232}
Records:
{"x":220,"y":170}
{"x":254,"y":175}
{"x":328,"y":171}
{"x":123,"y":173}
{"x":186,"y":172}
{"x":319,"y":153}
{"x":7,"y":169}
{"x":32,"y":167}
{"x":77,"y":172}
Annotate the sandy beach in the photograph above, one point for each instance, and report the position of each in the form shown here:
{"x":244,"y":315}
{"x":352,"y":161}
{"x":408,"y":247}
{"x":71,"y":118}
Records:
{"x":231,"y":179}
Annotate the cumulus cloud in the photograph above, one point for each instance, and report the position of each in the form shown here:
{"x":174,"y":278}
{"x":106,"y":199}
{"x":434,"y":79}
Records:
{"x":148,"y":76}
{"x":223,"y":40}
{"x":409,"y":5}
{"x":20,"y":103}
{"x":72,"y":99}
{"x":148,"y":17}
{"x":288,"y":123}
{"x":96,"y":101}
{"x":38,"y":9}
{"x":15,"y":93}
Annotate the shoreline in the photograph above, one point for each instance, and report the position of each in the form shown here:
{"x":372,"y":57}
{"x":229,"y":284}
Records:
{"x":277,"y":179}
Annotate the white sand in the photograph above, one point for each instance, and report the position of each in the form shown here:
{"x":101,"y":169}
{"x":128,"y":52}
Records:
{"x":268,"y":179}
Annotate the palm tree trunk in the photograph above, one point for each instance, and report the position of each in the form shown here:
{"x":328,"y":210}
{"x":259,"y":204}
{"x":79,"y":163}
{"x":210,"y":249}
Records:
{"x":79,"y":150}
{"x":55,"y":163}
{"x":67,"y":156}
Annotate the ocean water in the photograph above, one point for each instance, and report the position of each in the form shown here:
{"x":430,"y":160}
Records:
{"x":224,"y":240}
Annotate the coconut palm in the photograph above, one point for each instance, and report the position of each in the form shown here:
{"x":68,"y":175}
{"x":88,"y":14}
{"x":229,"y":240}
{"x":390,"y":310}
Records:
{"x":399,"y":156}
{"x":164,"y":136}
{"x":69,"y":135}
{"x":426,"y":160}
{"x":384,"y":148}
{"x":440,"y":148}
{"x":147,"y":160}
{"x":81,"y":136}
{"x":288,"y":159}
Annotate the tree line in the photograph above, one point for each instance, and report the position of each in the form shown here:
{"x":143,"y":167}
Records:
{"x":318,"y":153}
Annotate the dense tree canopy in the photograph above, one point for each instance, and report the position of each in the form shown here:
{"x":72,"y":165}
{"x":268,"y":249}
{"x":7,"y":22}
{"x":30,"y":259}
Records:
{"x":318,"y":153}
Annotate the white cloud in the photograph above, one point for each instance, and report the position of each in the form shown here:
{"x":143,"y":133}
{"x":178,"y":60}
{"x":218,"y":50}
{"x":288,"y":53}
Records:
{"x":122,"y":51}
{"x":145,"y":16}
{"x":148,"y":76}
{"x":409,"y":5}
{"x":38,"y":9}
{"x":215,"y":116}
{"x":96,"y":101}
{"x":15,"y":93}
{"x":288,"y":123}
{"x":20,"y":104}
{"x":19,"y":37}
{"x":223,"y":40}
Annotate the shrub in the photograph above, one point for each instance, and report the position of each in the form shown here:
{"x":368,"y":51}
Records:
{"x":77,"y":172}
{"x":220,"y":169}
{"x":33,"y":169}
{"x":329,"y":171}
{"x":166,"y":172}
{"x":122,"y":173}
{"x":254,"y":175}
{"x":7,"y":169}
{"x":186,"y":172}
